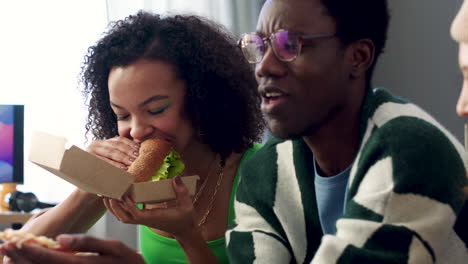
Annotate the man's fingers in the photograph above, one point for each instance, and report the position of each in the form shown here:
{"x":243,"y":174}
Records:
{"x":11,"y":251}
{"x":108,"y":252}
{"x":44,"y":255}
{"x":48,"y":256}
{"x":84,"y":243}
{"x":31,"y":254}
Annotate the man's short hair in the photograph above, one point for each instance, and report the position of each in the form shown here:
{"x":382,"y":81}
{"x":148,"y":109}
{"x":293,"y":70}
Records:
{"x":361,"y":19}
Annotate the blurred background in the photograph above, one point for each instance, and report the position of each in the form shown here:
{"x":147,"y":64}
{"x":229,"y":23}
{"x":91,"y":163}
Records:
{"x":43,"y":43}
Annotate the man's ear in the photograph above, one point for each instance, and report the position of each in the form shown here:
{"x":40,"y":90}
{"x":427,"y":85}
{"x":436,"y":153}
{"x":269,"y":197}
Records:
{"x":362,"y":54}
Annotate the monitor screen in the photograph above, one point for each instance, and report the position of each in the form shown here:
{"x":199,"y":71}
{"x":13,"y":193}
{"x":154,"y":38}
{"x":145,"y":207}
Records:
{"x":11,"y":143}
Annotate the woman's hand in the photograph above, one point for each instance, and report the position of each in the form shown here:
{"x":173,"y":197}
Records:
{"x":177,"y":220}
{"x":118,"y":151}
{"x":106,"y":251}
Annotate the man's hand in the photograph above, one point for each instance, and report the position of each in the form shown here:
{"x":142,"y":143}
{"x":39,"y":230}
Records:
{"x":105,"y":251}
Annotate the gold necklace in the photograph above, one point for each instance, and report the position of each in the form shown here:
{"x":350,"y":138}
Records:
{"x":197,"y":195}
{"x":213,"y":196}
{"x":210,"y":169}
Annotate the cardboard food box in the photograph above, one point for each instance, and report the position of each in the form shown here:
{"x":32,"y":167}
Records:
{"x":94,"y":175}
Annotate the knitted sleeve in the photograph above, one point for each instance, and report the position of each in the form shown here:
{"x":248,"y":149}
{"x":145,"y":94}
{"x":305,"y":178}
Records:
{"x":256,"y":232}
{"x":404,"y":196}
{"x":276,"y":211}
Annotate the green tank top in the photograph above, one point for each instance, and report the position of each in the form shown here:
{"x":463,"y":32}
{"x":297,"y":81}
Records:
{"x":157,"y":249}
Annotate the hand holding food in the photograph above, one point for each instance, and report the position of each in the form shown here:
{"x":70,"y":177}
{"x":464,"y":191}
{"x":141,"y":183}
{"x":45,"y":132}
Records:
{"x":176,"y":220}
{"x":156,"y":161}
{"x":104,"y":252}
{"x":19,"y":238}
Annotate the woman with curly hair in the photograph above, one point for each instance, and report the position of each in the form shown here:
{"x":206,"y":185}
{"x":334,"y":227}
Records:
{"x":180,"y":78}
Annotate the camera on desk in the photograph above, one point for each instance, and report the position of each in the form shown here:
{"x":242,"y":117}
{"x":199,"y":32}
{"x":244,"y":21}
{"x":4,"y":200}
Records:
{"x":24,"y":202}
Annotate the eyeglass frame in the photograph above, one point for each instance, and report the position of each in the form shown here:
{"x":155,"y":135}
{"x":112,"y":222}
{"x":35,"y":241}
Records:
{"x":266,"y":40}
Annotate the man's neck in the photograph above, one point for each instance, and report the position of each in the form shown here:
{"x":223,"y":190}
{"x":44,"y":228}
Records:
{"x":336,"y":143}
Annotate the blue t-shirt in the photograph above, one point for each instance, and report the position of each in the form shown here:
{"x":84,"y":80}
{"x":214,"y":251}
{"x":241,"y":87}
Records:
{"x":330,"y":193}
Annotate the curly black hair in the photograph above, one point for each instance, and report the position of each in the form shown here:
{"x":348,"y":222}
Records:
{"x":221,"y":98}
{"x":361,"y":19}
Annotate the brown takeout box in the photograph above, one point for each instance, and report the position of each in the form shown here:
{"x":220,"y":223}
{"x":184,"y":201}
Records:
{"x":94,"y":175}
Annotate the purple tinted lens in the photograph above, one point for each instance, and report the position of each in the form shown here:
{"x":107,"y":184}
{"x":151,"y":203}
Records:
{"x":252,"y":47}
{"x":286,"y":46}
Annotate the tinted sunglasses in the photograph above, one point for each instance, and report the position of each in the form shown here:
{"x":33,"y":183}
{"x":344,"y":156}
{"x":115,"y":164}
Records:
{"x":286,"y":45}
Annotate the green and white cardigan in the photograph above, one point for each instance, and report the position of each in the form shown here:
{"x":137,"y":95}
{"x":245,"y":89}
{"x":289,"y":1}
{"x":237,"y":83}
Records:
{"x":404,"y":202}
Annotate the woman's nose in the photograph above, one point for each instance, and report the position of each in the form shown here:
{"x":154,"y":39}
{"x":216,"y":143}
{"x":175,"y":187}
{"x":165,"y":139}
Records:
{"x":141,"y":130}
{"x":462,"y":104}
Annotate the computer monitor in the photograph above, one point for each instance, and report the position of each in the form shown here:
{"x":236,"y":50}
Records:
{"x":11,"y":143}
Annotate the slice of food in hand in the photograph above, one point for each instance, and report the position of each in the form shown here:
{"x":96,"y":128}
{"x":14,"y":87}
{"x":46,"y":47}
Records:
{"x":157,"y":160}
{"x":19,"y":238}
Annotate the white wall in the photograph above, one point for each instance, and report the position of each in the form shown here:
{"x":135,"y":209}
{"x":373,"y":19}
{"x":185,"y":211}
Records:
{"x":420,"y":62}
{"x":213,"y":9}
{"x":41,"y":49}
{"x":42,"y":46}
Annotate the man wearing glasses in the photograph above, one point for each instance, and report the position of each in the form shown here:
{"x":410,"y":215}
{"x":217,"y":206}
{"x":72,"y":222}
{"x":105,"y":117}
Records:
{"x":353,"y":174}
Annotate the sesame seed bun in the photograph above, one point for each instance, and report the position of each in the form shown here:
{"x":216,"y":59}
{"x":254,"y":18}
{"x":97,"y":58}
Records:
{"x":152,"y":154}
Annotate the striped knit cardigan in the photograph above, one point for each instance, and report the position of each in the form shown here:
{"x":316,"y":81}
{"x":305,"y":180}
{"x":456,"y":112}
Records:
{"x":404,"y":202}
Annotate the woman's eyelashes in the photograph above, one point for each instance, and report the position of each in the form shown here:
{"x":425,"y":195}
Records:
{"x":159,"y":110}
{"x":121,"y":117}
{"x":156,"y":111}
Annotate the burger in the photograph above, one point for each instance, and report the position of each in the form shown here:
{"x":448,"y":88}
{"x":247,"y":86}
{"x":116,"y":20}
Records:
{"x":157,"y":160}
